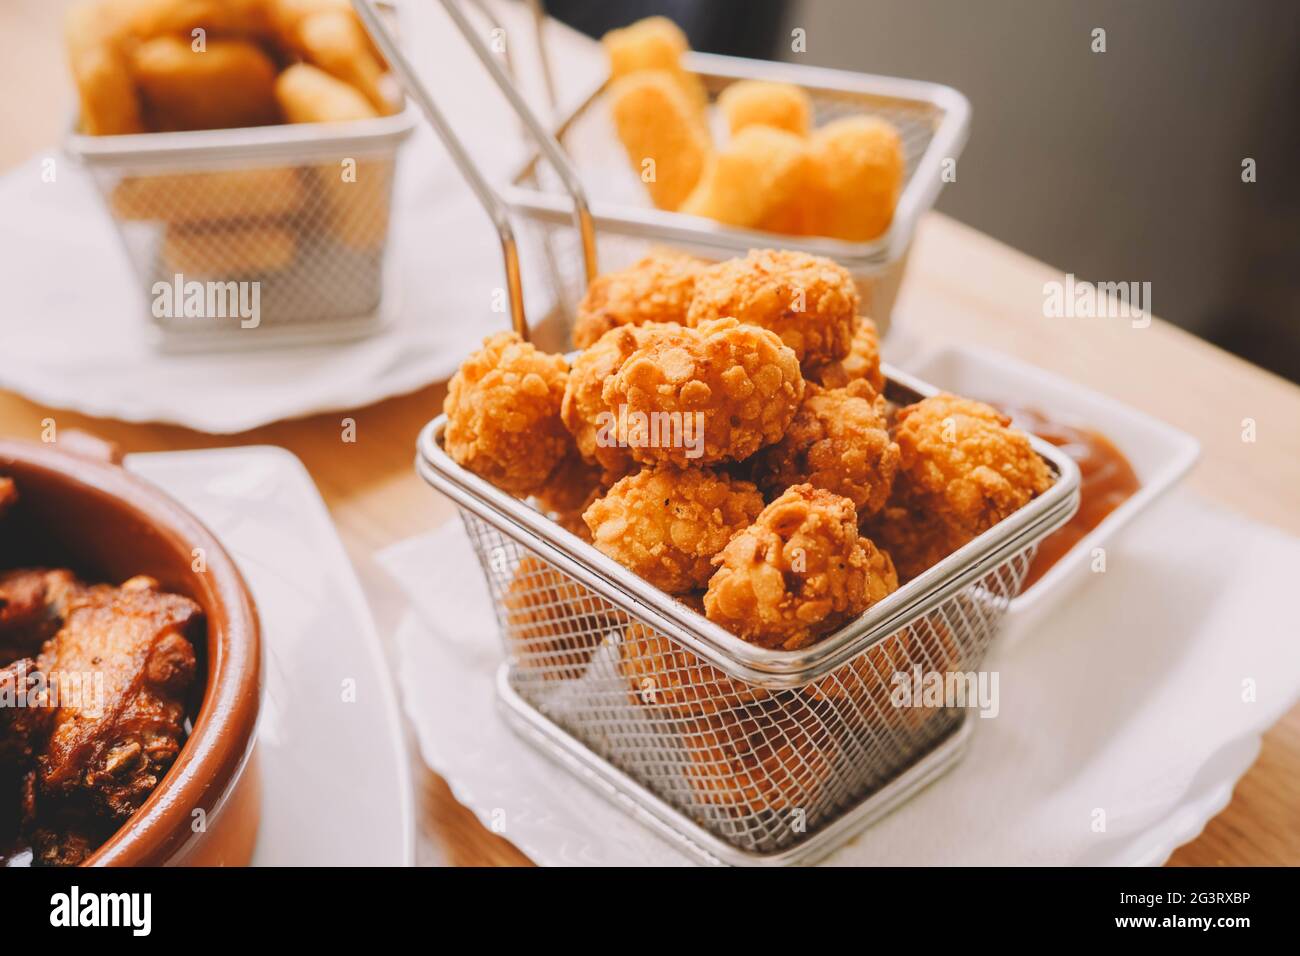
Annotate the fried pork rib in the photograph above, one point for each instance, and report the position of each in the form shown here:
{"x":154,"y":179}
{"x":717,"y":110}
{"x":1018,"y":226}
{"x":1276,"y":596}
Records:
{"x":33,"y":602}
{"x":120,"y":667}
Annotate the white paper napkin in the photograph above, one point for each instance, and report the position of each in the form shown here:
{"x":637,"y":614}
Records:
{"x":74,"y":329}
{"x":1129,"y":703}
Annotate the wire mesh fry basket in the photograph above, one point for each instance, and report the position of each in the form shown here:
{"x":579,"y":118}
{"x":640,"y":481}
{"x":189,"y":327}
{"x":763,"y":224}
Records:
{"x":300,"y":213}
{"x":736,"y":753}
{"x":933,"y":122}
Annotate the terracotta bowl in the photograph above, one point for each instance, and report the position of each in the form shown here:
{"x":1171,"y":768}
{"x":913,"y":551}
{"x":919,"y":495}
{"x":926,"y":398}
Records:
{"x":108,"y":525}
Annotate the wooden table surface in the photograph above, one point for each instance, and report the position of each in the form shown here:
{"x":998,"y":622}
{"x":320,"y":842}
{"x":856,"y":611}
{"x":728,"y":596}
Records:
{"x":961,"y":287}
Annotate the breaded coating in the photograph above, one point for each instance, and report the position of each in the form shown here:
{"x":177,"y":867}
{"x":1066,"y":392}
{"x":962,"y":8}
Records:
{"x":962,"y":470}
{"x":965,"y":464}
{"x":569,"y":491}
{"x":110,"y":104}
{"x":307,"y":94}
{"x":666,"y":524}
{"x":810,"y":302}
{"x":335,"y":41}
{"x":553,"y":624}
{"x":838,"y":441}
{"x":665,"y":143}
{"x":122,"y":667}
{"x":662,"y":674}
{"x":698,"y":396}
{"x":862,"y":362}
{"x":915,"y":541}
{"x":655,"y":43}
{"x":857,"y":176}
{"x":778,"y":761}
{"x":756,"y":181}
{"x":229,"y":84}
{"x":503,"y":414}
{"x":764,"y":103}
{"x":799,"y":572}
{"x":583,"y":409}
{"x":656,"y":289}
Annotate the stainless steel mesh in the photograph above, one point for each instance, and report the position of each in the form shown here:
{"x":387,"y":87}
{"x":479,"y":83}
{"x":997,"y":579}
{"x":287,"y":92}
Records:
{"x":302,"y":211}
{"x":762,"y":770}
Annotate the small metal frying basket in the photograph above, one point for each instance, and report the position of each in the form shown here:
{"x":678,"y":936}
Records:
{"x":933,"y":122}
{"x":285,"y":228}
{"x":733,"y":752}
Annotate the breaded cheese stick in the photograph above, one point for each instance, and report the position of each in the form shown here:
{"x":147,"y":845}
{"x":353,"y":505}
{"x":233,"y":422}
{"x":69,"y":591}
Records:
{"x":109,"y":102}
{"x":857,"y":175}
{"x":756,"y":181}
{"x":665,"y":145}
{"x":229,"y":84}
{"x":146,"y":19}
{"x":763,"y":103}
{"x":655,"y":43}
{"x":335,"y":41}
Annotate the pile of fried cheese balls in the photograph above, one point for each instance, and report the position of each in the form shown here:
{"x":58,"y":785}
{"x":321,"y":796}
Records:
{"x":806,"y":496}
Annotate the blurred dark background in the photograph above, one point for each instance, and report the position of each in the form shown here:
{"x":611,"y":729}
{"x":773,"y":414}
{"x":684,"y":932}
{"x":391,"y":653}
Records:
{"x":1116,"y":166}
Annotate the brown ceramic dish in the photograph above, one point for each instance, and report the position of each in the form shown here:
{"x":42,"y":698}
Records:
{"x":108,"y":525}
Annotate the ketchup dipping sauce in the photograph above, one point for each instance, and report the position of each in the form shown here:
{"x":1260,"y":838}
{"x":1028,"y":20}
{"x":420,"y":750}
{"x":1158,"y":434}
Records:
{"x":1107,"y":481}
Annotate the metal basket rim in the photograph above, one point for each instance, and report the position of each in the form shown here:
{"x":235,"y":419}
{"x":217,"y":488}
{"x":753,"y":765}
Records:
{"x":282,"y":141}
{"x":763,"y":667}
{"x":918,"y":195}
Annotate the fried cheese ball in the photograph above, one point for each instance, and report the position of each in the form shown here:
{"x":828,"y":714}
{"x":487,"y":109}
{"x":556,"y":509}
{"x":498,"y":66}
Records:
{"x":772,"y":760}
{"x":810,"y":302}
{"x":503,"y":414}
{"x":763,"y":103}
{"x":962,"y":470}
{"x":665,"y":142}
{"x":800,"y":571}
{"x":666,"y":524}
{"x":857,"y":175}
{"x":965,"y":464}
{"x":569,"y":491}
{"x":698,"y":396}
{"x":584,"y":411}
{"x":656,"y":289}
{"x":862,"y":362}
{"x":553,"y":623}
{"x":664,"y":675}
{"x":838,"y":441}
{"x":756,"y":181}
{"x":655,"y":43}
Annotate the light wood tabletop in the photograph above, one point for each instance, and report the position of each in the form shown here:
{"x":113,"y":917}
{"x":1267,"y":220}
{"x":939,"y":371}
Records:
{"x":961,"y":287}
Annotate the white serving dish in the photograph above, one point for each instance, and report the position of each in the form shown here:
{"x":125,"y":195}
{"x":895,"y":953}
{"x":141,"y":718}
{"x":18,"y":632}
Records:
{"x":1160,"y":454}
{"x":336,"y":778}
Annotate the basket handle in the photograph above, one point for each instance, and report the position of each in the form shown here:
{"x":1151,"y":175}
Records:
{"x":496,"y":208}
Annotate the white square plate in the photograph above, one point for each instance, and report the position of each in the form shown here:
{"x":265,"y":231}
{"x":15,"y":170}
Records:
{"x":1160,"y":455}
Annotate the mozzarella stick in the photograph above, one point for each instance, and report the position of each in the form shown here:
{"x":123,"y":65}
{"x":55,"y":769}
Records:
{"x":228,"y":84}
{"x":666,"y":147}
{"x":109,"y":103}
